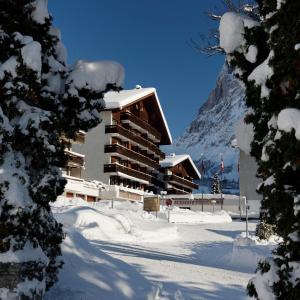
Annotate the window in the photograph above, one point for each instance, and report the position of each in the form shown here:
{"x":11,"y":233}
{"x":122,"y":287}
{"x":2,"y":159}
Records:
{"x":91,"y":199}
{"x":115,"y":180}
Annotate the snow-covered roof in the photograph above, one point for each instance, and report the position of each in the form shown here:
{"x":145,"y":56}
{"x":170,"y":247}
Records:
{"x":121,"y":99}
{"x":173,"y":160}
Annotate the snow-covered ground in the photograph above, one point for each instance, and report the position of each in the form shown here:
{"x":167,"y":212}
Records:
{"x":125,"y":253}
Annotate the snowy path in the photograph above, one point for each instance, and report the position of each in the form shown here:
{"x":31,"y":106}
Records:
{"x":196,"y":266}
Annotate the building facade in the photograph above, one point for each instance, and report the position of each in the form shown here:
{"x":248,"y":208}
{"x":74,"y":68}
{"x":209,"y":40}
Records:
{"x":76,"y":186}
{"x":123,"y":150}
{"x":249,"y":182}
{"x":179,"y":172}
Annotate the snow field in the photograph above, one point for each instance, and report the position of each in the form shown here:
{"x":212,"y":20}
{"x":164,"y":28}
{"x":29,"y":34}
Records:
{"x":90,"y":274}
{"x":248,"y":251}
{"x":126,"y":253}
{"x":127,"y":222}
{"x":191,"y":217}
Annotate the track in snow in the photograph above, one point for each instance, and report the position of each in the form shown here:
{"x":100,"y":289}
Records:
{"x":196,"y":266}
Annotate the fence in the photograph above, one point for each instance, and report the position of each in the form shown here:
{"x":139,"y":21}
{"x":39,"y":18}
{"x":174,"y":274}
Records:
{"x":233,"y":204}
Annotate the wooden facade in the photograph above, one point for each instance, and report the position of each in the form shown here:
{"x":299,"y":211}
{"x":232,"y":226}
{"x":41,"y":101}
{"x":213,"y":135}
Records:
{"x":136,"y":132}
{"x":123,"y":151}
{"x":179,"y":176}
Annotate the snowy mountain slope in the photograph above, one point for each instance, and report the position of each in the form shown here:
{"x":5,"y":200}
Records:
{"x":212,"y":131}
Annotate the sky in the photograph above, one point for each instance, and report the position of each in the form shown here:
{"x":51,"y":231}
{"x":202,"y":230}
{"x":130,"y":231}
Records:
{"x":150,"y":38}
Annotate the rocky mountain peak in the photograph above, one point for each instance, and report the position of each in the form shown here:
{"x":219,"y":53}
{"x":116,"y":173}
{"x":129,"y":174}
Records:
{"x":209,"y":135}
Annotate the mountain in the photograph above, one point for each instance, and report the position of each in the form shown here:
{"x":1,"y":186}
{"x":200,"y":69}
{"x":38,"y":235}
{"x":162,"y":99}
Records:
{"x":209,"y":135}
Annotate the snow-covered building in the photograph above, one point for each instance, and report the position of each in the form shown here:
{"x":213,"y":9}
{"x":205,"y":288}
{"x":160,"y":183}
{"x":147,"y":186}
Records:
{"x":75,"y":161}
{"x":123,"y":151}
{"x":76,"y":186}
{"x":179,"y":173}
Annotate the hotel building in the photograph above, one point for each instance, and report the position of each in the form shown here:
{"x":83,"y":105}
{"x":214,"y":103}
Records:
{"x":179,"y":173}
{"x":123,"y":150}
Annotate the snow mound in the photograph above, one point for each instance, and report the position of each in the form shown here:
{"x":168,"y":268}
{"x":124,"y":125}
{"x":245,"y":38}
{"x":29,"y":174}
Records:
{"x":96,"y":75}
{"x":231,"y":31}
{"x":40,"y":11}
{"x":251,"y":54}
{"x":27,"y":254}
{"x":126,"y":222}
{"x":248,"y":251}
{"x":190,"y":217}
{"x":90,"y":274}
{"x":289,"y":119}
{"x":244,"y":134}
{"x":261,"y":74}
{"x":31,"y":54}
{"x":95,"y":225}
{"x":9,"y":66}
{"x":63,"y":202}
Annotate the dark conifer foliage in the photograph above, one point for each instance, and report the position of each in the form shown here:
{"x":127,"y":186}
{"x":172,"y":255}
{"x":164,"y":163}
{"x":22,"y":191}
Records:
{"x":215,"y":188}
{"x":273,"y":95}
{"x":37,"y":108}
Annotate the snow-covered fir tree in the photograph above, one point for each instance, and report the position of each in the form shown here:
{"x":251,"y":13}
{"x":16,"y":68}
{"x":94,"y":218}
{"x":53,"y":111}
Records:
{"x":266,"y":57}
{"x":41,"y":101}
{"x":215,"y":187}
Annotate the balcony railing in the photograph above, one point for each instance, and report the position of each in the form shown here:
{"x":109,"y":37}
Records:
{"x":74,"y":160}
{"x":135,"y":138}
{"x":181,"y":181}
{"x":113,"y":168}
{"x":141,"y":123}
{"x":176,"y":191}
{"x":116,"y":148}
{"x":79,"y":138}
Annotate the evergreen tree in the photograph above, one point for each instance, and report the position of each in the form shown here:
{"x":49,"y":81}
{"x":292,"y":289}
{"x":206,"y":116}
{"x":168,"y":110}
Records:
{"x":41,"y":101}
{"x":215,"y":187}
{"x":266,"y":57}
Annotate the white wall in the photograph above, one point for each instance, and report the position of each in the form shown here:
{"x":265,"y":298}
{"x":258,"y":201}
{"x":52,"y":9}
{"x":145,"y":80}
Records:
{"x":79,"y":186}
{"x":93,"y":149}
{"x":248,"y":179}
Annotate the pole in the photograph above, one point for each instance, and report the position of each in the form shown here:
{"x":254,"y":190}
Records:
{"x":168,"y":214}
{"x":240,"y":206}
{"x":202,"y":177}
{"x":221,"y":190}
{"x":246,"y":204}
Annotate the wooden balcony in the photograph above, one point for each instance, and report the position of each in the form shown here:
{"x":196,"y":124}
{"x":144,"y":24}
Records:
{"x":74,"y":159}
{"x":175,"y":191}
{"x":114,"y":168}
{"x":181,"y":181}
{"x":131,"y":155}
{"x":135,"y":138}
{"x":78,"y":139}
{"x":128,"y":116}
